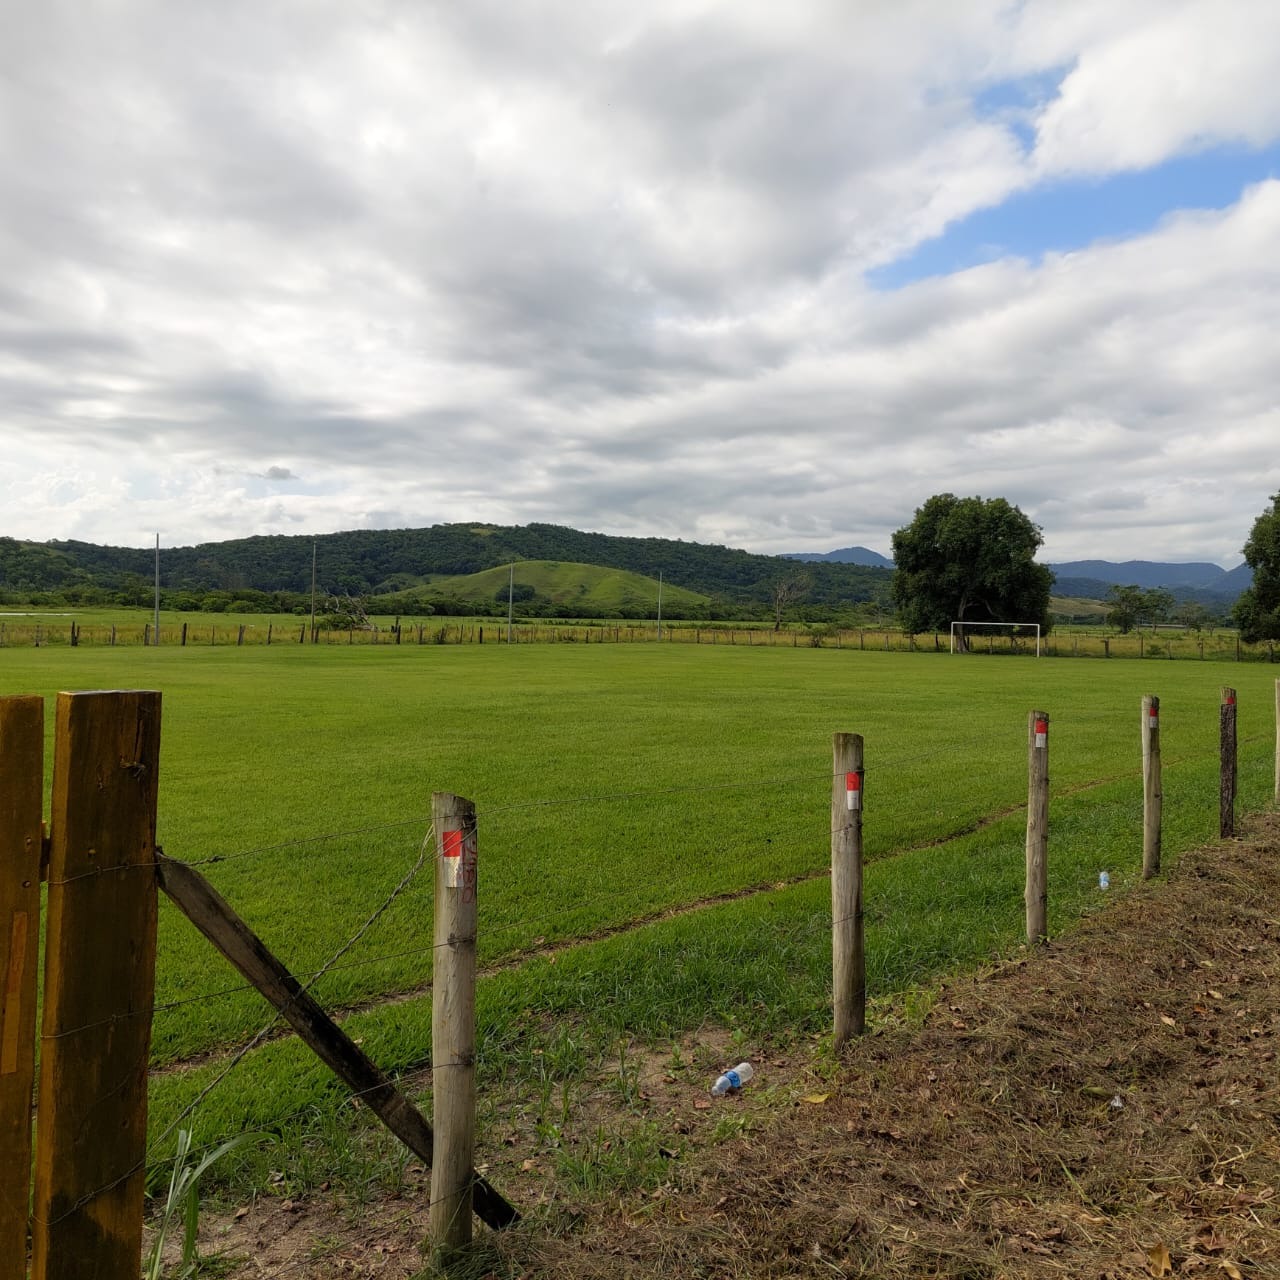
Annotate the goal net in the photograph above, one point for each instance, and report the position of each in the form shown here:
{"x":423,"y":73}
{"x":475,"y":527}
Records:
{"x":958,"y":630}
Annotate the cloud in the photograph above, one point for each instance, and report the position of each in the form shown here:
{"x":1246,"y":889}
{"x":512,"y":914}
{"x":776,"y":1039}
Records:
{"x":607,"y":266}
{"x":1183,"y":77}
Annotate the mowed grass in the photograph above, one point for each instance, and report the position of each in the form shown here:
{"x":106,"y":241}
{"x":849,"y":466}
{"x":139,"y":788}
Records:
{"x":615,"y":784}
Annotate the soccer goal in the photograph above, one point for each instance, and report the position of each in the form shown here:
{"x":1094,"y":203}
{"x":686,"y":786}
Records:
{"x":1030,"y":626}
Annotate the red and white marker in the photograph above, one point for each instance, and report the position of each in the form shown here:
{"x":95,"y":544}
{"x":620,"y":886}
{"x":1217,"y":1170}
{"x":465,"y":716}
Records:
{"x":1153,"y":718}
{"x":852,"y":791}
{"x":1042,"y":733}
{"x":451,"y":852}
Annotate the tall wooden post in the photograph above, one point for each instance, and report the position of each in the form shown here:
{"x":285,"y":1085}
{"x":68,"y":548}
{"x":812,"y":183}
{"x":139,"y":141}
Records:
{"x":1227,"y":770}
{"x":91,"y":1123}
{"x":453,"y":1019}
{"x":849,"y":978}
{"x":1037,"y":895}
{"x":21,"y":809}
{"x":1152,"y":795}
{"x":1278,"y":742}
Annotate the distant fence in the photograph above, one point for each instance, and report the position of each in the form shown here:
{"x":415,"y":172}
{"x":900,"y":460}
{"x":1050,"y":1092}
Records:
{"x":1223,"y":646}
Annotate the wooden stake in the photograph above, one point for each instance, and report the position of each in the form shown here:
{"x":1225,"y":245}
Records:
{"x":1152,"y":795}
{"x":1278,"y":742}
{"x":453,"y":1019}
{"x":1037,"y":895}
{"x":91,"y":1122}
{"x":21,"y":809}
{"x":849,"y":979}
{"x":1227,"y":770}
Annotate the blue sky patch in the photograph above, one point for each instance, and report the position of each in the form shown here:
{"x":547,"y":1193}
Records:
{"x":1066,"y":215}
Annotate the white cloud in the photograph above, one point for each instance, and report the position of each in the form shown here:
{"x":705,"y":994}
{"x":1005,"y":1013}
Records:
{"x":605,"y":266}
{"x":1186,"y":76}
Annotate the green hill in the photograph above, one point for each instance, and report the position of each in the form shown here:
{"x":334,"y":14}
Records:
{"x":416,"y":564}
{"x":589,"y":588}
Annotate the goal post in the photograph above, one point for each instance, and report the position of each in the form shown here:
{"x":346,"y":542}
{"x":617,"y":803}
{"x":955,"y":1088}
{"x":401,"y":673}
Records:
{"x":958,"y":628}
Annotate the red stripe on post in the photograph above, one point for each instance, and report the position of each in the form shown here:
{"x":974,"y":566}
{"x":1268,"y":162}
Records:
{"x":1042,"y":726}
{"x":452,"y":844}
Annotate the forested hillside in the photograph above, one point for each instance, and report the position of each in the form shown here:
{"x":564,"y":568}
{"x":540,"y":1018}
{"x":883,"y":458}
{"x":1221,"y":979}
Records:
{"x":392,"y":562}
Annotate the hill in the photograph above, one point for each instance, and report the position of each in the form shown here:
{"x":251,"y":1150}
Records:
{"x":843,"y":555}
{"x":397,"y":562}
{"x":1202,"y":582}
{"x":1143,"y":573}
{"x":586,"y":589}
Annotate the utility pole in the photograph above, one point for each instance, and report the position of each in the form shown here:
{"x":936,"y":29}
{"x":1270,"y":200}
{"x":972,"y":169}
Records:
{"x":511,"y":587}
{"x":313,"y":591}
{"x":157,"y":627}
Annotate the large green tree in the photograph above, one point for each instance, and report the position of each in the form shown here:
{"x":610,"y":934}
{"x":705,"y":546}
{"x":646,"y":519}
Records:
{"x":969,"y":560}
{"x":1257,"y":612}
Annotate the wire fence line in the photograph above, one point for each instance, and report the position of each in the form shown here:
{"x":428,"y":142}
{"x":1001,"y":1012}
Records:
{"x":237,"y":1058}
{"x":555,"y":919}
{"x":427,"y":855}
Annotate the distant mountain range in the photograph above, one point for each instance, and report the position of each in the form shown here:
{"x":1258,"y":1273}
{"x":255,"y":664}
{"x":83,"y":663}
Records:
{"x":1208,"y":583}
{"x":427,"y":564}
{"x":845,"y":555}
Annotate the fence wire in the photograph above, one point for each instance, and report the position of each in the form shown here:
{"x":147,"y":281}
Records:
{"x":425,"y":856}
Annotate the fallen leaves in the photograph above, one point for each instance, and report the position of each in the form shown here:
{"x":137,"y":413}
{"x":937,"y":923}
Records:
{"x":1159,"y":1263}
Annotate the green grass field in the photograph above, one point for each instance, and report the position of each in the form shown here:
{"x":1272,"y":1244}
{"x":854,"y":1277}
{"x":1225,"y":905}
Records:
{"x":614,"y":785}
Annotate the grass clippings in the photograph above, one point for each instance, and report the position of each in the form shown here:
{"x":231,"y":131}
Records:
{"x":1107,"y":1106}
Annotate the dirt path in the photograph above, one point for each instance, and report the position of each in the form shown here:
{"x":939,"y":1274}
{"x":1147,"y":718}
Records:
{"x":1106,"y":1107}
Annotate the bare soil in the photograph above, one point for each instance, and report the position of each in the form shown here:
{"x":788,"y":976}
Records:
{"x":1107,"y":1106}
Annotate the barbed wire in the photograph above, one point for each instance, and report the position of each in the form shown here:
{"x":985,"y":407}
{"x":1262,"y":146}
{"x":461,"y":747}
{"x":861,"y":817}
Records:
{"x":538,"y":946}
{"x":402,"y":885}
{"x":240,"y":1054}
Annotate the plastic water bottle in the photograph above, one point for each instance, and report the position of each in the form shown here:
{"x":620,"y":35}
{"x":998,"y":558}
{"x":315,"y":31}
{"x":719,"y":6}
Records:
{"x":1104,"y":880}
{"x":733,"y":1080}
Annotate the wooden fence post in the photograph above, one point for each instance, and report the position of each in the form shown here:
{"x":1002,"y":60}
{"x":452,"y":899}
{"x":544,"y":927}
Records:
{"x":453,"y":1020}
{"x":1278,"y":742}
{"x":1152,"y":795}
{"x":21,"y":810}
{"x":849,"y":978}
{"x":91,"y":1121}
{"x":1227,"y":768}
{"x":1037,"y":826}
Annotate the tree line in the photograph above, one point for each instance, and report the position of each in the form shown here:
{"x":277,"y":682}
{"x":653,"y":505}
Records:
{"x":958,"y":560}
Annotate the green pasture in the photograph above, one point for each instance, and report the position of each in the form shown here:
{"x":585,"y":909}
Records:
{"x":614,"y":784}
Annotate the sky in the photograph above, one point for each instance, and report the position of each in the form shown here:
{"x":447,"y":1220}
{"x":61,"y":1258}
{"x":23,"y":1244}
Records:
{"x":742,"y":272}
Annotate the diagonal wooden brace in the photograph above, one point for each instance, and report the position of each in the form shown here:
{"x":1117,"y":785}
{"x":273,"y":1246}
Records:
{"x":201,"y":903}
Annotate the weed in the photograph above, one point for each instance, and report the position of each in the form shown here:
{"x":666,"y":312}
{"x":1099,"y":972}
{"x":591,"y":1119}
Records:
{"x":182,"y":1202}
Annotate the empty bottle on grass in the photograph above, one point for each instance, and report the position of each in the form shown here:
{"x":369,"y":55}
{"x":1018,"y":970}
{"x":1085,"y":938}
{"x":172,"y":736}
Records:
{"x":733,"y":1080}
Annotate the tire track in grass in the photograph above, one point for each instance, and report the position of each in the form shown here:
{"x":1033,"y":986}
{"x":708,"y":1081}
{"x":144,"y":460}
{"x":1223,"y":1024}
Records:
{"x":551,"y":950}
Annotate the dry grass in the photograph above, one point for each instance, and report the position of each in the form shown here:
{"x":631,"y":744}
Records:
{"x":1105,"y":1107}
